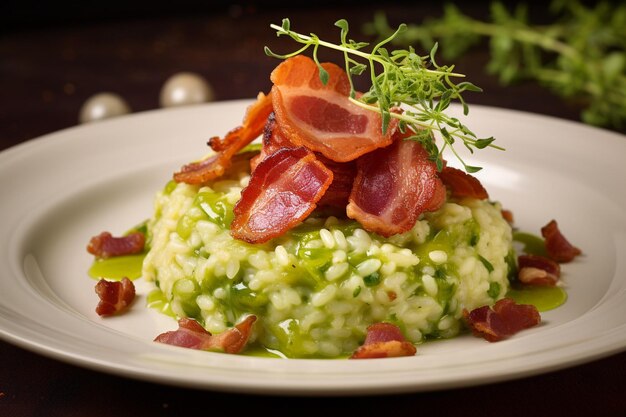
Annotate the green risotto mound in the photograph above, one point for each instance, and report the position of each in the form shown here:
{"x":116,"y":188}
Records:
{"x":317,"y":288}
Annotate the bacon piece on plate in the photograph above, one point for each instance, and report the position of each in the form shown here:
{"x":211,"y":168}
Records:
{"x":322,"y":117}
{"x":557,"y":246}
{"x":393,"y":186}
{"x":503,"y":320}
{"x":283,"y":190}
{"x":115,"y":296}
{"x":538,"y":270}
{"x":190,"y":334}
{"x":462,"y":184}
{"x":106,"y":246}
{"x":384,"y":340}
{"x":216,"y":165}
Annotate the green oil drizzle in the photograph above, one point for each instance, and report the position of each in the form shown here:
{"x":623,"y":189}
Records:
{"x":262,"y":352}
{"x":117,"y":267}
{"x":157,"y":300}
{"x":532,"y":244}
{"x":544,"y":298}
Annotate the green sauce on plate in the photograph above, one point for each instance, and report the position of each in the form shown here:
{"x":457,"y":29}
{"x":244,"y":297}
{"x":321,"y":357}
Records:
{"x":544,"y":298}
{"x":118,"y":267}
{"x":157,"y":300}
{"x":532,"y":244}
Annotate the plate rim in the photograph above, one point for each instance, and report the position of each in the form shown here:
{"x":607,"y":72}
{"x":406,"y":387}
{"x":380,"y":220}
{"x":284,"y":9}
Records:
{"x":285,"y":389}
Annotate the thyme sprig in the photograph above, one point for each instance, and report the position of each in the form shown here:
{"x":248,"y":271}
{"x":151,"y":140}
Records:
{"x":401,"y":78}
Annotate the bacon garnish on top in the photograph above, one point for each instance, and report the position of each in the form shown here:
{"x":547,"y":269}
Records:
{"x":105,"y":245}
{"x":384,"y":340}
{"x":393,"y":186}
{"x":337,"y":195}
{"x":190,"y":334}
{"x":557,"y":246}
{"x":461,"y":184}
{"x":216,"y":165}
{"x":115,"y":296}
{"x":379,"y":179}
{"x":273,"y":140}
{"x":283,"y":190}
{"x":253,"y":125}
{"x":503,"y":320}
{"x":322,"y":117}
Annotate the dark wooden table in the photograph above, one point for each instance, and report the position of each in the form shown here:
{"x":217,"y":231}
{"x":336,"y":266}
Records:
{"x":46,"y":73}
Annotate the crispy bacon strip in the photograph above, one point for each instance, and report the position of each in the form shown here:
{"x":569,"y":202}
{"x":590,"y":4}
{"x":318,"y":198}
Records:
{"x":384,"y":340}
{"x":106,"y":246}
{"x":557,"y":246}
{"x":192,"y":335}
{"x":202,"y":171}
{"x":393,"y":186}
{"x":211,"y":168}
{"x":253,"y":124}
{"x":273,"y":137}
{"x":273,"y":140}
{"x":508,"y":216}
{"x":461,"y":184}
{"x":216,"y":165}
{"x":504,"y":320}
{"x":283,"y":190}
{"x":335,"y":199}
{"x":538,"y":270}
{"x":337,"y":195}
{"x":321,"y":117}
{"x":115,"y":296}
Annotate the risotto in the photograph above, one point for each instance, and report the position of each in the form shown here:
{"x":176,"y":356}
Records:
{"x":316,"y":288}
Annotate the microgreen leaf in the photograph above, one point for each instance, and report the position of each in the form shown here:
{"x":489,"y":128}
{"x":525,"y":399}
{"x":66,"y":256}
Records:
{"x":286,"y":26}
{"x":324,"y":76}
{"x":358,"y":69}
{"x":471,"y":169}
{"x":342,"y":24}
{"x":466,"y":85}
{"x":483,"y":143}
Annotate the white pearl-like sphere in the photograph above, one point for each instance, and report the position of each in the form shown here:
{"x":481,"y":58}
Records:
{"x":185,"y":88}
{"x":103,"y":106}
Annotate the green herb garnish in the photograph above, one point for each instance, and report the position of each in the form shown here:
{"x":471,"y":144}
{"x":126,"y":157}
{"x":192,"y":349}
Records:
{"x":401,"y":77}
{"x":486,"y":263}
{"x":494,"y":290}
{"x":580,"y":55}
{"x":372,"y":279}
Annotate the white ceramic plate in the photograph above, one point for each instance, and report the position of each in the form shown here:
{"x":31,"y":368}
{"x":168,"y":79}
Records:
{"x":59,"y":190}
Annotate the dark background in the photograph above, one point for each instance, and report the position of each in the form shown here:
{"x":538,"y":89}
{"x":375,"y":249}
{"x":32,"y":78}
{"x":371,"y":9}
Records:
{"x":54,"y":55}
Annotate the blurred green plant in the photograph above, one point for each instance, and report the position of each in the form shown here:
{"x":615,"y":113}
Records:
{"x":580,"y":56}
